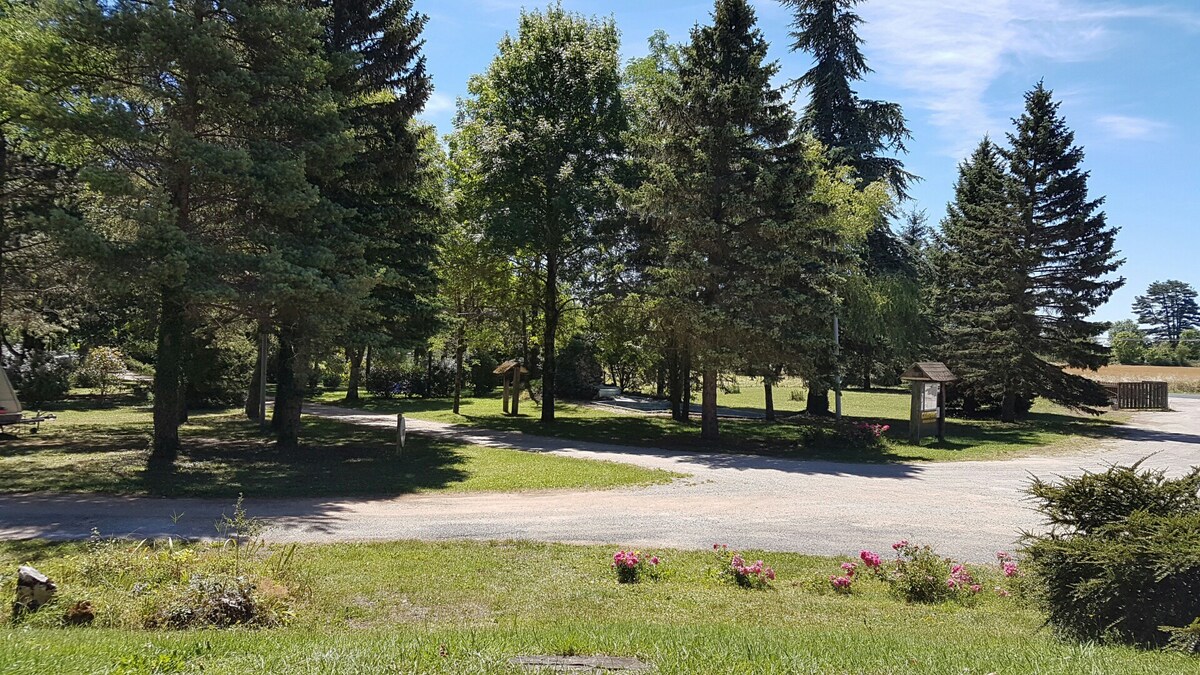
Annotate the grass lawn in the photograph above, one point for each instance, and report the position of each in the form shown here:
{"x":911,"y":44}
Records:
{"x":1047,"y":429}
{"x":103,"y":447}
{"x":469,"y":607}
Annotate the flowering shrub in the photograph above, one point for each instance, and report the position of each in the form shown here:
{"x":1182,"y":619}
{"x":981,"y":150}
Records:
{"x":735,"y":569}
{"x":876,"y":430}
{"x":917,"y":574}
{"x":632,"y":566}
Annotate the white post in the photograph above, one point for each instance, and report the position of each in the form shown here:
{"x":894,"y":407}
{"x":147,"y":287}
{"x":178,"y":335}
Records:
{"x":400,"y":434}
{"x":837,"y":366}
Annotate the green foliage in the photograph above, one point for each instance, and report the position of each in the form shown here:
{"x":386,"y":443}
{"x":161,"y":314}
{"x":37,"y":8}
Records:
{"x":1164,"y":355}
{"x":1023,"y":262}
{"x":1123,"y":556}
{"x":542,"y":136}
{"x":41,"y":376}
{"x":1129,"y":347}
{"x":1189,"y":344}
{"x":1169,"y":308}
{"x":579,"y":372}
{"x":855,"y":131}
{"x":100,"y":368}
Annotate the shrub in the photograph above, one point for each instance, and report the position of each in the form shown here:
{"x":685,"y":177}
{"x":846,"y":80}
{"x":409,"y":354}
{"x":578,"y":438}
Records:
{"x":100,"y":369}
{"x":41,"y":376}
{"x":385,"y":382}
{"x":1122,"y":558}
{"x":483,"y":379}
{"x":917,"y":574}
{"x":632,"y":567}
{"x":1129,"y":347}
{"x":579,"y":372}
{"x":217,"y":369}
{"x":732,"y":568}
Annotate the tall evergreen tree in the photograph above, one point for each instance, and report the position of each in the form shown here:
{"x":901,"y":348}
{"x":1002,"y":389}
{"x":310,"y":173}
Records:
{"x":747,"y":242}
{"x":863,"y":134}
{"x":173,"y":112}
{"x":1024,"y":261}
{"x":983,"y":266}
{"x":545,"y":128}
{"x":1169,"y":308}
{"x":858,"y":132}
{"x":1067,"y":228}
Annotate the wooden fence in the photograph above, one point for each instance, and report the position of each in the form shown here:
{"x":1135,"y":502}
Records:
{"x":1139,"y":395}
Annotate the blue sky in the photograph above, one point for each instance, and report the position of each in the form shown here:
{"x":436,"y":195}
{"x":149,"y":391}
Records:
{"x":1127,"y":72}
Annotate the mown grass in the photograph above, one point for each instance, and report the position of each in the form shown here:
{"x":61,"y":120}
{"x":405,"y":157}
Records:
{"x":95,"y":449}
{"x":453,"y":607}
{"x":1048,"y":428}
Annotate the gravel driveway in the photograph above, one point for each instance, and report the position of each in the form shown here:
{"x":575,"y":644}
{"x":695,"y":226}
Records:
{"x":965,"y":509}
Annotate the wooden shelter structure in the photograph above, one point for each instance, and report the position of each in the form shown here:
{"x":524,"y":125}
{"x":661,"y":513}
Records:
{"x":928,"y":381}
{"x":511,"y":372}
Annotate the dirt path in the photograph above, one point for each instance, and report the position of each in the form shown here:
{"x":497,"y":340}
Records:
{"x":966,"y":509}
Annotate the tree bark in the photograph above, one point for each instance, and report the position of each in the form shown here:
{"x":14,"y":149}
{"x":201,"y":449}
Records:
{"x":460,"y":350}
{"x":355,"y":356}
{"x":660,"y":381}
{"x":168,"y":362}
{"x":251,"y":408}
{"x":770,"y":399}
{"x":289,"y":396}
{"x":709,"y":428}
{"x":1008,"y":407}
{"x":549,"y":356}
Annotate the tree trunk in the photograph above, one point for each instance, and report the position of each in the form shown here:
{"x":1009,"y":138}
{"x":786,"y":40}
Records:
{"x":289,"y":396}
{"x":168,"y":362}
{"x":549,"y":357}
{"x":770,"y":399}
{"x":1008,"y":407}
{"x":251,"y":408}
{"x":660,"y":381}
{"x":367,"y":367}
{"x":818,"y":399}
{"x":355,"y":356}
{"x":460,"y":350}
{"x":685,"y":384}
{"x":709,"y":429}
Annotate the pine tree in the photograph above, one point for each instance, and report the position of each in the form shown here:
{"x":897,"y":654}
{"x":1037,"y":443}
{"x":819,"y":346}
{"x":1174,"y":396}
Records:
{"x":1169,"y":308}
{"x":983,"y":267}
{"x":180,"y":117}
{"x":745,"y":208}
{"x":860,"y":133}
{"x":1075,"y":244}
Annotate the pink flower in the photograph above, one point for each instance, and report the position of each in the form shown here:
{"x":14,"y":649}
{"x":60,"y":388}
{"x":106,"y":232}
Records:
{"x":975,"y":588}
{"x":654,"y":560}
{"x":869,"y":559}
{"x":1001,"y":555}
{"x":903,"y":543}
{"x":1010,"y":569}
{"x":849,"y":568}
{"x":771,"y":574}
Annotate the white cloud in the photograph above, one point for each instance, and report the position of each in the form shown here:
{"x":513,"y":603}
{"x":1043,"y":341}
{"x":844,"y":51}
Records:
{"x":948,"y":54}
{"x":1127,"y":128}
{"x":437,"y":104}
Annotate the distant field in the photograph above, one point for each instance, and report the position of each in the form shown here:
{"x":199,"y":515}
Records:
{"x":1182,"y":380}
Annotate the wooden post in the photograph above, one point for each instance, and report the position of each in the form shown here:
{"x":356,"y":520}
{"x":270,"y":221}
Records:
{"x":504,"y":377}
{"x":914,"y":423}
{"x":400,"y":434}
{"x":941,"y":420}
{"x":516,"y":402}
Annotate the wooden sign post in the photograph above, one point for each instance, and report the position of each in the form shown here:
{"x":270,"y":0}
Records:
{"x":928,"y":384}
{"x":510,"y":373}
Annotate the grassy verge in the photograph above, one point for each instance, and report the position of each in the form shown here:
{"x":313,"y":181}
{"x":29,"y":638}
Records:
{"x":95,"y":447}
{"x":466,"y":607}
{"x":1047,"y":429}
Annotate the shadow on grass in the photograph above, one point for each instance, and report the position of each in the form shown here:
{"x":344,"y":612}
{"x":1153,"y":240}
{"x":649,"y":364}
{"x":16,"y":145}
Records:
{"x":227,"y":455}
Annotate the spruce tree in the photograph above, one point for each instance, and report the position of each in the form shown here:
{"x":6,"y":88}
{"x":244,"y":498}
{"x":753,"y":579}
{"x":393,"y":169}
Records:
{"x":189,"y":123}
{"x":746,"y":242}
{"x":989,"y":326}
{"x":862,"y":134}
{"x":1076,"y":247}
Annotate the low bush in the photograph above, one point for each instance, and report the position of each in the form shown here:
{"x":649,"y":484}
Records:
{"x":919,"y":575}
{"x":732,"y":568}
{"x":1121,"y":561}
{"x":632,"y":567}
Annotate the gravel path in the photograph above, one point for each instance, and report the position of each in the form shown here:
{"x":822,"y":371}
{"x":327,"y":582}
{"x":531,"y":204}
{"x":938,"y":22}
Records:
{"x":966,"y":509}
